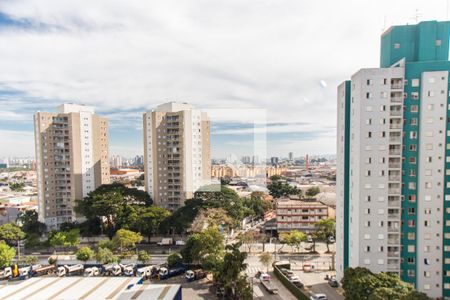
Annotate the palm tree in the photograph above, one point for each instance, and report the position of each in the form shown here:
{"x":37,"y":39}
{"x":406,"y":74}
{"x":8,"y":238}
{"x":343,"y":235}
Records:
{"x":266,"y":259}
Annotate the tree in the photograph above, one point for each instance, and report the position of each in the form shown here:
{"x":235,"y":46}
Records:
{"x":266,"y":259}
{"x":206,"y":247}
{"x":144,"y":257}
{"x":326,"y":228}
{"x":360,"y":283}
{"x":279,"y":189}
{"x":174,"y":259}
{"x":415,"y":295}
{"x":149,"y":220}
{"x":84,"y":254}
{"x":7,"y":254}
{"x":105,"y":256}
{"x":229,"y":274}
{"x":191,"y":251}
{"x":257,"y":205}
{"x":30,"y":224}
{"x":247,"y":238}
{"x":115,"y":203}
{"x":31,"y":260}
{"x":312,"y":191}
{"x":212,"y":217}
{"x":126,"y":239}
{"x":11,"y":233}
{"x":17,"y":186}
{"x":64,"y":238}
{"x":294,"y":238}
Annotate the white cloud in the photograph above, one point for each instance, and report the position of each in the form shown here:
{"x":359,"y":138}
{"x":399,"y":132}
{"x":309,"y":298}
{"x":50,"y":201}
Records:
{"x":286,"y":56}
{"x":16,"y":143}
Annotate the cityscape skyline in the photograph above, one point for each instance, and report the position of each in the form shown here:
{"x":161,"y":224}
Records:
{"x":207,"y":74}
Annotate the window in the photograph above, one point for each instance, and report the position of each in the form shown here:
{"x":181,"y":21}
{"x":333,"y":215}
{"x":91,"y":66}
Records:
{"x":369,"y":82}
{"x":415,"y":82}
{"x":368,"y":95}
{"x":368,"y":108}
{"x":438,"y":43}
{"x":396,"y":46}
{"x":414,"y":108}
{"x":411,"y":249}
{"x":415,"y":95}
{"x":430,"y":93}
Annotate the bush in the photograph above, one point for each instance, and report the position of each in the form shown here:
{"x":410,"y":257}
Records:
{"x":84,"y":254}
{"x":174,"y":259}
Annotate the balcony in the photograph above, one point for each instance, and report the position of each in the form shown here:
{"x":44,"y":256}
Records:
{"x":393,"y":241}
{"x":397,"y":83}
{"x":396,"y":112}
{"x":397,"y":99}
{"x":395,"y":152}
{"x":394,"y":203}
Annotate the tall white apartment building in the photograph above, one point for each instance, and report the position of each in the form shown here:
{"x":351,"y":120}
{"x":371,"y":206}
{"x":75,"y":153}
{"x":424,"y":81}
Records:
{"x":71,"y":160}
{"x":393,"y":178}
{"x":177,"y":157}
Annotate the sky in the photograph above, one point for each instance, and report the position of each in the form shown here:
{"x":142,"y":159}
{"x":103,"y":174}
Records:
{"x":280,"y":60}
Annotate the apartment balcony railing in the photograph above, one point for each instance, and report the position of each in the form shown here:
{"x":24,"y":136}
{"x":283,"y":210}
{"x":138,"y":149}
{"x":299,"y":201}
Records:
{"x":393,"y":253}
{"x":393,"y":241}
{"x":395,"y":126}
{"x":394,"y":178}
{"x":397,"y":85}
{"x":394,"y":190}
{"x":393,"y":229}
{"x":394,"y":203}
{"x":395,"y":152}
{"x":396,"y":113}
{"x":397,"y":99}
{"x":395,"y":139}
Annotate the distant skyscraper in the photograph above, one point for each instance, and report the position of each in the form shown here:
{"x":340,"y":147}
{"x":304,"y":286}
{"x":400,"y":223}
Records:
{"x":291,"y":156}
{"x":177,"y":158}
{"x":139,"y":160}
{"x":246,"y":159}
{"x":116,"y":161}
{"x":274,"y":161}
{"x":71,"y":160}
{"x":393,"y":165}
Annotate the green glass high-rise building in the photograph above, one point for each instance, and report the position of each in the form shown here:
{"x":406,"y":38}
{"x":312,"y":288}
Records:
{"x":393,"y":178}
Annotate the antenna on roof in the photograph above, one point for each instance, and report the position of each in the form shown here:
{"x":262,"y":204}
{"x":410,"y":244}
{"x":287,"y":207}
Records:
{"x":417,"y":15}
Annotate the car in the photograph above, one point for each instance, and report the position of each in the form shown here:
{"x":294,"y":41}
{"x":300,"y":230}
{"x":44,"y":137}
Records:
{"x":180,"y":243}
{"x":331,"y":239}
{"x":264,"y":277}
{"x":333,"y":282}
{"x":318,"y":297}
{"x":298,"y":284}
{"x":294,"y":278}
{"x":287,"y":272}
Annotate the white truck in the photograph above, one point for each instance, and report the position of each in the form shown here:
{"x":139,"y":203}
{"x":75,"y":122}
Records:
{"x":25,"y":272}
{"x":6,"y":273}
{"x":92,"y":271}
{"x":112,"y":270}
{"x":127,"y":270}
{"x":69,"y":270}
{"x":166,"y":242}
{"x":146,"y":272}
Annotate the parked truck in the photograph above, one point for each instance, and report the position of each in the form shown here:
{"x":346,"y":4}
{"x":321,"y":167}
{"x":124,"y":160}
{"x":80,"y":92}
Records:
{"x":128,"y":270}
{"x":26,"y":272}
{"x":165,"y":273}
{"x":70,"y":270}
{"x":192,"y":275}
{"x":166,"y":242}
{"x":147,"y":272}
{"x":6,"y":273}
{"x":92,"y":271}
{"x":269,"y":287}
{"x":112,"y":270}
{"x":43,"y":270}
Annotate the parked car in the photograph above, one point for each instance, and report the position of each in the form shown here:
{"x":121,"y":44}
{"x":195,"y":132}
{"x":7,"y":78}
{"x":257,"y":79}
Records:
{"x":298,"y":284}
{"x":318,"y":297}
{"x":294,"y":278}
{"x":264,"y":277}
{"x":307,"y":268}
{"x":180,"y":243}
{"x":333,"y":282}
{"x":287,"y":272}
